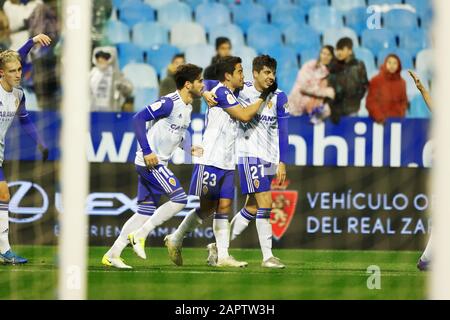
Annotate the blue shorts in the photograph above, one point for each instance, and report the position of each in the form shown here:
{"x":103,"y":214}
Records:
{"x":152,"y":184}
{"x":255,"y":175}
{"x":2,"y":175}
{"x":212,"y":183}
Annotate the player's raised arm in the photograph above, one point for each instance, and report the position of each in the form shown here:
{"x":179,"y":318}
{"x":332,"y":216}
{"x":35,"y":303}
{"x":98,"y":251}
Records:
{"x":283,"y":135}
{"x":41,"y":38}
{"x":425,"y":94}
{"x":159,"y":109}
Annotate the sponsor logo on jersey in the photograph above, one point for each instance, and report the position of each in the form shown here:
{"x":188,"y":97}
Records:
{"x":155,"y":106}
{"x":283,"y":208}
{"x":205,"y":190}
{"x":172,"y":181}
{"x":256,"y":183}
{"x":270,"y":105}
{"x":230,"y":99}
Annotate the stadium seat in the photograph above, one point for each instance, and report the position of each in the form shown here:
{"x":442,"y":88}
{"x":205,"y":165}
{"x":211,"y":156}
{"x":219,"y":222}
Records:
{"x":322,"y":18}
{"x":411,"y":89}
{"x":306,"y":5}
{"x":414,"y":40}
{"x":426,"y":19}
{"x":367,"y":57}
{"x":133,"y":13}
{"x":117,"y":32}
{"x":269,"y":4}
{"x":194,"y":3}
{"x":211,"y":15}
{"x":331,"y":36}
{"x":286,"y":79}
{"x":118,"y":4}
{"x":420,"y":5}
{"x":309,"y":54}
{"x":345,"y":5}
{"x":129,"y":52}
{"x":232,"y":2}
{"x":418,"y":108}
{"x":405,"y":57}
{"x":143,"y":97}
{"x":187,"y":33}
{"x":378,"y":39}
{"x":159,"y":3}
{"x":247,"y":55}
{"x":424,"y":63}
{"x":200,"y":54}
{"x":32,"y":103}
{"x":302,"y":38}
{"x":356,"y":19}
{"x":160,"y":56}
{"x":246,"y":14}
{"x":381,"y":2}
{"x":174,"y":12}
{"x":231,"y":31}
{"x":148,"y":34}
{"x":287,"y":14}
{"x":286,"y":56}
{"x":141,"y":75}
{"x":396,"y":19}
{"x":262,"y":36}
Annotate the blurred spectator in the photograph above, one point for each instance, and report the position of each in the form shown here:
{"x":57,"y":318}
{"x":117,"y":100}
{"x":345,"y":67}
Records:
{"x":109,"y":88}
{"x":4,"y":31}
{"x":348,"y":77}
{"x":101,"y":11}
{"x":223,"y":49}
{"x":18,"y":12}
{"x":311,"y":87}
{"x":168,"y":84}
{"x":387,"y":91}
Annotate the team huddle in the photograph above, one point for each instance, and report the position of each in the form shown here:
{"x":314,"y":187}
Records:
{"x":245,"y":126}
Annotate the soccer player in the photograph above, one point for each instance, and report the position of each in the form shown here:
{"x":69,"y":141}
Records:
{"x":12,"y":102}
{"x":213,"y":175}
{"x":169,"y":119}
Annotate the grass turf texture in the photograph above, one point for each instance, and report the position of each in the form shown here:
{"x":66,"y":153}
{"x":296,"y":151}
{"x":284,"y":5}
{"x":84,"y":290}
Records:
{"x":310,"y":274}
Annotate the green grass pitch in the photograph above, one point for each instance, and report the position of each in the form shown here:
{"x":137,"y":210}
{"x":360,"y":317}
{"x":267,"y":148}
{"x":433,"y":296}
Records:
{"x":310,"y":274}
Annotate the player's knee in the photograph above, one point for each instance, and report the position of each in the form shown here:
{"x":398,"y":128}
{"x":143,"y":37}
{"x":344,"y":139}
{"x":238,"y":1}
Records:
{"x":251,"y":208}
{"x":224,"y":207}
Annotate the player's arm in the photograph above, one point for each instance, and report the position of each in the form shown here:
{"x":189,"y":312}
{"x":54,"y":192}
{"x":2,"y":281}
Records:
{"x":29,"y":127}
{"x":41,"y":38}
{"x":283,"y":135}
{"x":425,"y":94}
{"x":160,"y":109}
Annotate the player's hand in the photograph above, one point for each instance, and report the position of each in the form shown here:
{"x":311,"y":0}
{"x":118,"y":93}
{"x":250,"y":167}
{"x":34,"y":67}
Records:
{"x":271,"y":89}
{"x":43,"y":39}
{"x":281,"y":173}
{"x":44,"y":152}
{"x":151,"y":160}
{"x":210,"y":98}
{"x":197,"y":151}
{"x":416,"y":79}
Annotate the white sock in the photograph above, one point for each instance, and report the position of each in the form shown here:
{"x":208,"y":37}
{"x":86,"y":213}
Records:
{"x":4,"y":228}
{"x":426,"y":255}
{"x":135,"y":222}
{"x":240,"y":222}
{"x":161,"y":215}
{"x":189,"y":223}
{"x":221,"y":228}
{"x":264,"y":228}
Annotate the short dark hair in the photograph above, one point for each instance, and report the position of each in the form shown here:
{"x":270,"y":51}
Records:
{"x":187,"y":72}
{"x":221,"y":40}
{"x":102,"y":54}
{"x":344,"y":42}
{"x":262,"y":61}
{"x":178,"y":55}
{"x":226,"y":65}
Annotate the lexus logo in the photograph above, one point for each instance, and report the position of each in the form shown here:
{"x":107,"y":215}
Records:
{"x":26,"y":214}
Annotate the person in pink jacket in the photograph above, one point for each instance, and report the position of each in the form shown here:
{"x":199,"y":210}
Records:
{"x":311,"y":89}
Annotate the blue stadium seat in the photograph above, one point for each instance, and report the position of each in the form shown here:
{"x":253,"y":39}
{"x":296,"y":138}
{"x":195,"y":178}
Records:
{"x":194,"y":3}
{"x":426,"y":19}
{"x":322,"y":18}
{"x":247,"y":54}
{"x":345,"y":5}
{"x":147,"y":34}
{"x":200,"y":54}
{"x":129,"y":52}
{"x":414,"y":40}
{"x":286,"y":56}
{"x":400,"y":19}
{"x":262,"y":36}
{"x":133,"y":13}
{"x":378,"y":39}
{"x":231,"y":31}
{"x":187,"y":33}
{"x":160,"y":56}
{"x":308,"y":4}
{"x":269,"y":4}
{"x":420,"y":5}
{"x":367,"y":57}
{"x":117,"y":32}
{"x":118,"y":4}
{"x":405,"y":57}
{"x":173,"y":13}
{"x":424,"y":63}
{"x":143,"y":97}
{"x":156,"y":4}
{"x":141,"y":75}
{"x":286,"y":14}
{"x":331,"y":36}
{"x":302,"y":37}
{"x":356,"y":19}
{"x":309,"y":54}
{"x":381,"y":2}
{"x":211,"y":15}
{"x":418,"y":108}
{"x":286,"y":79}
{"x":246,"y":14}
